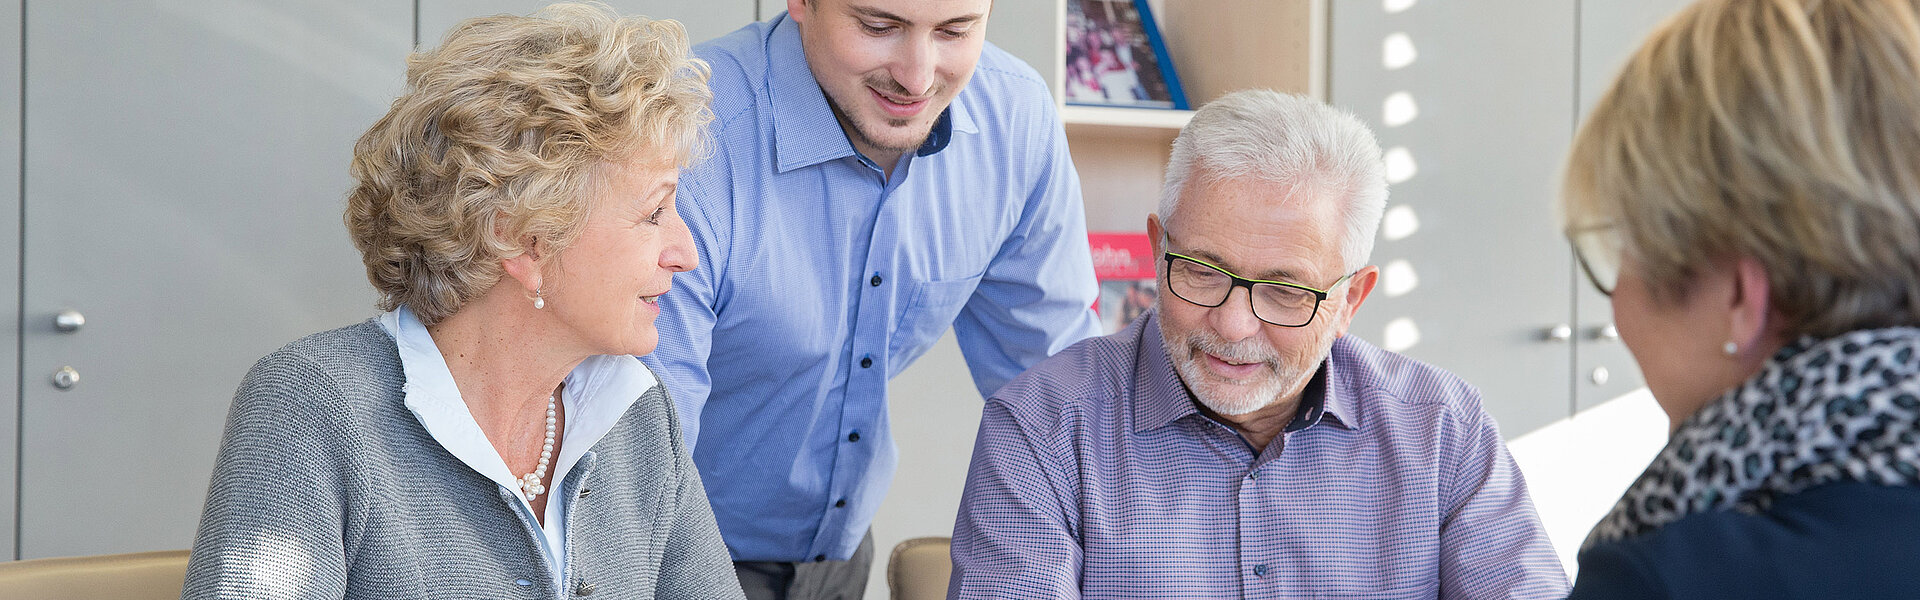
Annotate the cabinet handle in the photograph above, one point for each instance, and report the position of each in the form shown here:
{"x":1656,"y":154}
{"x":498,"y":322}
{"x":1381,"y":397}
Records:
{"x":66,"y":378}
{"x":69,"y":321}
{"x":1560,"y":333}
{"x":1606,"y":333}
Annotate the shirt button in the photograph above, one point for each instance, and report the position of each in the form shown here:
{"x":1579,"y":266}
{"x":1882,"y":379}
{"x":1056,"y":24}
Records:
{"x":866,"y":362}
{"x":522,"y":582}
{"x":1254,"y":476}
{"x":819,"y":557}
{"x":583,"y":589}
{"x":1259,"y":570}
{"x":875,"y":282}
{"x":853,"y":437}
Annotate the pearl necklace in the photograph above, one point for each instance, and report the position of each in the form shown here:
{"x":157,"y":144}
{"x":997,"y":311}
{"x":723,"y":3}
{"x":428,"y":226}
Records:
{"x":530,"y":484}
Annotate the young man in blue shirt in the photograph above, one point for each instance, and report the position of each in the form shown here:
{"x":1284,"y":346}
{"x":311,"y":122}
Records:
{"x":880,"y":174}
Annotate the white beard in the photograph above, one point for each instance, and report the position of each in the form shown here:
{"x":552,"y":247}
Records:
{"x":1229,"y":397}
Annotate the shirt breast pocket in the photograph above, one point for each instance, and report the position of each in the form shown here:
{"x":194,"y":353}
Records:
{"x":928,"y":312}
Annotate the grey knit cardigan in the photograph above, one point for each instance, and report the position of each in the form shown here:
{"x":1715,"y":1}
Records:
{"x":328,"y":487}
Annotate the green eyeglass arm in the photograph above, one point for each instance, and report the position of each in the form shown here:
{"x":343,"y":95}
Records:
{"x":1322,"y":294}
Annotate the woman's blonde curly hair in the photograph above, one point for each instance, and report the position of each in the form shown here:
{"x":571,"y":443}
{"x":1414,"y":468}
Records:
{"x":494,"y":144}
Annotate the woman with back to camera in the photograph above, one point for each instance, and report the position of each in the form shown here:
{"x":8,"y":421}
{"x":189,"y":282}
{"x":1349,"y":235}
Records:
{"x":1747,"y":193}
{"x":492,"y":436}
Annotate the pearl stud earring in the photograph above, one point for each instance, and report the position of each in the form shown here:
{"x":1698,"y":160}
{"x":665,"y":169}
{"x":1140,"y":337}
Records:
{"x":1730,"y":348}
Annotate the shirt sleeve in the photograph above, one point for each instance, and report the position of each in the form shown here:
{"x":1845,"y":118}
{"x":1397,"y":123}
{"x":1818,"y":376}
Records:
{"x":689,"y":312}
{"x":275,"y":524}
{"x":1492,"y":544}
{"x":1014,"y":537}
{"x":1036,"y":297}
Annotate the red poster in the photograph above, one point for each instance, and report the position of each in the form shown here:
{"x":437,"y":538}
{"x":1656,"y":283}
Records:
{"x":1124,"y":263}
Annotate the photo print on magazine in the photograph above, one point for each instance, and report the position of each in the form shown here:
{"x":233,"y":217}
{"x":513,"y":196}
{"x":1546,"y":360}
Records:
{"x":1115,"y":57}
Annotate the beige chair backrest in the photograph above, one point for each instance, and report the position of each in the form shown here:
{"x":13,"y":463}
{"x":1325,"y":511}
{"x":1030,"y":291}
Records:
{"x":919,"y":568}
{"x":139,"y":576}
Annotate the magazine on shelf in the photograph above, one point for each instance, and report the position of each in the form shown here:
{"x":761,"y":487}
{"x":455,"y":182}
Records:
{"x":1124,"y":263}
{"x":1115,"y":57}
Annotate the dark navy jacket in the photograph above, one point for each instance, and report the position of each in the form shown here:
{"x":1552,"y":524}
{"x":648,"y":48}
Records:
{"x":1840,"y":540}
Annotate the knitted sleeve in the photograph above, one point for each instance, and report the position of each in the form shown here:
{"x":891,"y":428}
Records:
{"x":275,"y":519}
{"x":694,"y":563}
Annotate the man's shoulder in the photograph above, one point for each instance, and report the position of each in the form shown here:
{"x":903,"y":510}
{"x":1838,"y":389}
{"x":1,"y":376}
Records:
{"x":1003,"y":85}
{"x":738,"y":73}
{"x":1093,"y":371}
{"x":1002,"y":68}
{"x":737,"y":63}
{"x":1367,"y":370}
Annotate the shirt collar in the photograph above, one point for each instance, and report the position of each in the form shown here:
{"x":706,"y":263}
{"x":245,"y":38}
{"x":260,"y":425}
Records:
{"x":805,"y":131}
{"x":596,"y":393}
{"x":1160,"y":398}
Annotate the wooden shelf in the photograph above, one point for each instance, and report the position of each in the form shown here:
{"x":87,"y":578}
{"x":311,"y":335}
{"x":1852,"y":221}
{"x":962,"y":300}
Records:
{"x":1111,"y":116}
{"x":1218,"y":46}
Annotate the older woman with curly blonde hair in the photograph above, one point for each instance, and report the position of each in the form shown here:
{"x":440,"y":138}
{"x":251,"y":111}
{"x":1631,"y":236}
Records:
{"x":492,"y":435}
{"x":1748,"y":195}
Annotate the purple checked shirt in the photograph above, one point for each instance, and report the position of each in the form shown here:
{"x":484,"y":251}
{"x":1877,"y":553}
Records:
{"x":1095,"y":476}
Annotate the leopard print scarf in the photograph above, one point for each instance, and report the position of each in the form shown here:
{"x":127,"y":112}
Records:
{"x":1820,"y":411}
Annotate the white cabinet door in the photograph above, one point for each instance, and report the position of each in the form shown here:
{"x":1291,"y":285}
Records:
{"x":1474,"y":103}
{"x":186,"y":164}
{"x":9,"y":258}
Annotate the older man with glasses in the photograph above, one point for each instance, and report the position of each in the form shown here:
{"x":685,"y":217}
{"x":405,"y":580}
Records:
{"x":1234,"y":442}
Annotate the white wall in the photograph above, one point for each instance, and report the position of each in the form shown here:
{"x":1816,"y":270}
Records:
{"x":935,"y":413}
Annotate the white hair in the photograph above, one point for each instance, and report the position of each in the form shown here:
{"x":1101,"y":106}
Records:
{"x":1297,"y":142}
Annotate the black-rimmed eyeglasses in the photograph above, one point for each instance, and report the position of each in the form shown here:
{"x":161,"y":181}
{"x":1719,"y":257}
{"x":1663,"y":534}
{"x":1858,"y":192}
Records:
{"x":1274,"y":302}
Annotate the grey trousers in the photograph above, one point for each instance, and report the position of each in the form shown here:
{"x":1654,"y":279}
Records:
{"x":823,"y":580}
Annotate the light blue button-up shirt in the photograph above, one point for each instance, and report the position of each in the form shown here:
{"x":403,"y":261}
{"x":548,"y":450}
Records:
{"x":820,"y":278}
